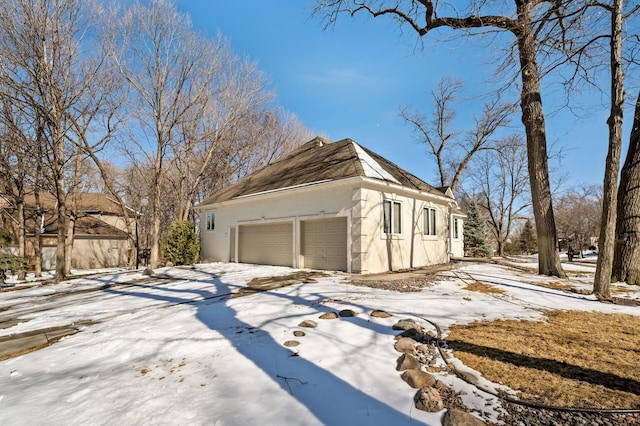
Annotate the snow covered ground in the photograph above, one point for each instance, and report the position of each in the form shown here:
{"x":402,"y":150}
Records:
{"x":180,"y":351}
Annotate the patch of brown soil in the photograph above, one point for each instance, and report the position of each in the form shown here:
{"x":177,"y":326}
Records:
{"x":405,"y":285}
{"x":7,"y":289}
{"x":270,"y":283}
{"x":28,"y":350}
{"x":483,"y":288}
{"x":574,"y":359}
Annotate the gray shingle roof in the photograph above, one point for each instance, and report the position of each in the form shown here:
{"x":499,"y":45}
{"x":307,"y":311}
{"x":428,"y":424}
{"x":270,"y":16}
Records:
{"x":321,"y":160}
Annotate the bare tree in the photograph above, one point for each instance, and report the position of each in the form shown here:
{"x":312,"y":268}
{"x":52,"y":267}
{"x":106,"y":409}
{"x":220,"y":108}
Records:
{"x":604,"y":269}
{"x":529,"y":22}
{"x":237,"y":90}
{"x":168,"y":68}
{"x":579,"y":212}
{"x":41,"y":52}
{"x":452,"y":151}
{"x":15,"y":162}
{"x":500,"y":178}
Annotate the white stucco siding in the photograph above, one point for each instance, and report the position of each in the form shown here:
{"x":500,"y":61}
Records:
{"x":369,"y":248}
{"x":294,"y":205}
{"x":409,"y":248}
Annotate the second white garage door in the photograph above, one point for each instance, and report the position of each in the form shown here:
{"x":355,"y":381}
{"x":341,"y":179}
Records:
{"x":269,"y":244}
{"x":324,"y":244}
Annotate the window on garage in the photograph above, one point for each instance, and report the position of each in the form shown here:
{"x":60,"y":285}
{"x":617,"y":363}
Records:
{"x":429,"y":221}
{"x":392,"y":212}
{"x":211,"y":221}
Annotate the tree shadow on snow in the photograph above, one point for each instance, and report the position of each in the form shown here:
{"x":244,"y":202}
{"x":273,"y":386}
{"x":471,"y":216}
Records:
{"x":329,"y":398}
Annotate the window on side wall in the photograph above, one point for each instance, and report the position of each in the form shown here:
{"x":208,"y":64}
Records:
{"x":211,"y":221}
{"x":429,"y":221}
{"x":456,"y":233}
{"x":392,"y":212}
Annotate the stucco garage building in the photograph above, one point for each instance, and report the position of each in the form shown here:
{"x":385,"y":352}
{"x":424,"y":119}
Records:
{"x":332,"y":205}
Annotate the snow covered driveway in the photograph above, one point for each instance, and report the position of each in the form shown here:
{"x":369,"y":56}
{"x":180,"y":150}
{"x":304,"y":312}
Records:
{"x":178,"y":350}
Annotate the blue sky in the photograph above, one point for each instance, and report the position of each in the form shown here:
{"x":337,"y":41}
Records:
{"x":349,"y":81}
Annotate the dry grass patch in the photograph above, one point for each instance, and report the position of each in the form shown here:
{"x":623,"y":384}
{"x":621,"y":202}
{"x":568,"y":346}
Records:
{"x":574,"y":359}
{"x":483,"y":288}
{"x":555,"y":285}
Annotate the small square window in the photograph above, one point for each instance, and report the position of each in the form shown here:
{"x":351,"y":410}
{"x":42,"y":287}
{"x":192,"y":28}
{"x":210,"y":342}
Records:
{"x":211,"y":221}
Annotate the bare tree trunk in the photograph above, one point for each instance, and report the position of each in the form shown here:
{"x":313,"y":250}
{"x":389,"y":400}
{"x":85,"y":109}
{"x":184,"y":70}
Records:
{"x":37,"y":242}
{"x":602,"y":279}
{"x":71,"y":226}
{"x":155,"y":235}
{"x":61,"y":208}
{"x":626,"y":265}
{"x":22,"y":233}
{"x":37,"y":251}
{"x":61,"y":212}
{"x":72,"y":213}
{"x":533,"y":120}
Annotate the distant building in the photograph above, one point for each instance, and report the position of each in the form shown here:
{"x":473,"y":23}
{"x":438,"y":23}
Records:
{"x":100,"y":238}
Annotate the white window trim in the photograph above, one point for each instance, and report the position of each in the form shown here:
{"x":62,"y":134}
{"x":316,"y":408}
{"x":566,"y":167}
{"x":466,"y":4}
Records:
{"x":207,"y":223}
{"x":426,"y":213}
{"x":455,"y":231}
{"x":392,"y":217}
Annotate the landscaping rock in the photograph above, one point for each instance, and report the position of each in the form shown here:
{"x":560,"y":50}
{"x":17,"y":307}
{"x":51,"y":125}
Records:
{"x":407,"y":362}
{"x":407,"y":324}
{"x":454,"y":417}
{"x":347,"y":313}
{"x":308,"y":324}
{"x":329,"y":315}
{"x":429,"y":350}
{"x":299,"y":333}
{"x":429,"y":399}
{"x":291,"y":343}
{"x":418,"y":379}
{"x":469,"y":377}
{"x":412,"y":332}
{"x":405,"y":345}
{"x":380,"y":314}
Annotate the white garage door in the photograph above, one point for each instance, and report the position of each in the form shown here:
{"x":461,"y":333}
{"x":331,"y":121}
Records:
{"x":324,"y":244}
{"x":270,"y":244}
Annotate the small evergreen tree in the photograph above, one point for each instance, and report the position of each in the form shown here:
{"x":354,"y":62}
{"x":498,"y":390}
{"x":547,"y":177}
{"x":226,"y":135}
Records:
{"x":475,"y":233}
{"x":183,"y":244}
{"x":9,"y":262}
{"x":527,"y":238}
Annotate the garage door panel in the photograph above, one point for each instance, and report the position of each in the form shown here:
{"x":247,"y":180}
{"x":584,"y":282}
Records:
{"x":268,"y":244}
{"x":324,"y":244}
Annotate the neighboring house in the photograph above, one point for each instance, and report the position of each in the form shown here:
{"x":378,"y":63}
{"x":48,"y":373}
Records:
{"x":334,"y":206}
{"x":100,"y":238}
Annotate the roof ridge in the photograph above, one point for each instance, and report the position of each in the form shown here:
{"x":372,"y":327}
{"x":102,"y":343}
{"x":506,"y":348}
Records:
{"x":354,"y":160}
{"x":320,"y":160}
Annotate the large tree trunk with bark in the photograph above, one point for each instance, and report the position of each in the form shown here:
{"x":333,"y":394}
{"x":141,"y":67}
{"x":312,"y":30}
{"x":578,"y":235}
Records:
{"x":155,"y":236}
{"x":533,"y":120}
{"x":626,"y":264}
{"x":606,"y":242}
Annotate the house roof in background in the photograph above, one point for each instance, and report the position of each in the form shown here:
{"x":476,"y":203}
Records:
{"x":87,"y":202}
{"x":86,"y":224}
{"x":321,"y":160}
